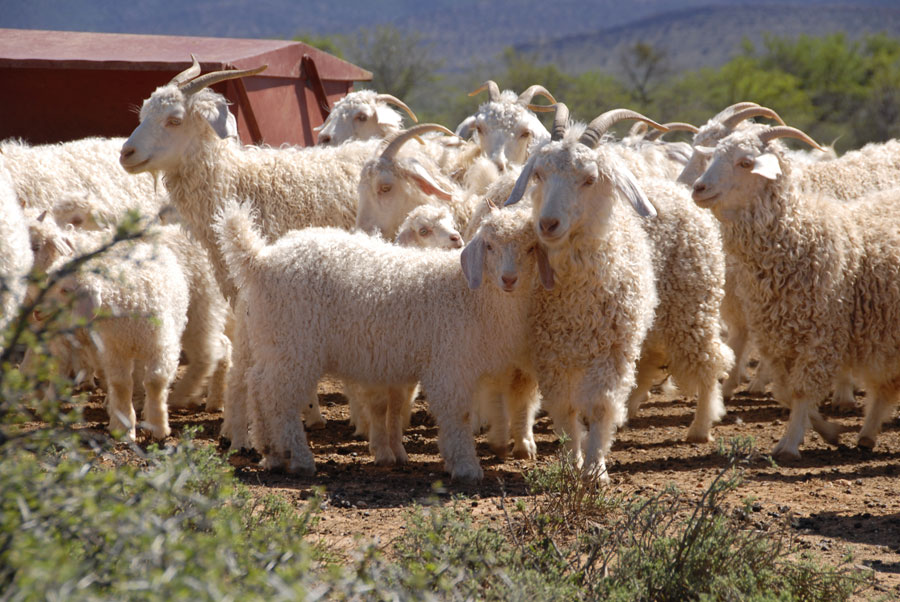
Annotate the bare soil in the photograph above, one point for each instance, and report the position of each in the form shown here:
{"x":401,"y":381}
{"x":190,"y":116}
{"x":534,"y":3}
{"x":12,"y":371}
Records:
{"x":840,"y":502}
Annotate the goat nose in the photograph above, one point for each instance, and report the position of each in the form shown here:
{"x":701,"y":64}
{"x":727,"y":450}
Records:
{"x":699,"y":186}
{"x":324,"y":139}
{"x":127,"y":151}
{"x":549,"y":224}
{"x":509,"y":280}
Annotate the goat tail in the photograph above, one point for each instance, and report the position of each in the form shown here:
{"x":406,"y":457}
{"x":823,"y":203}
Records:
{"x":239,"y":240}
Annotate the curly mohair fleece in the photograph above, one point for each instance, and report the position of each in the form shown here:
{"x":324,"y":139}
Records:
{"x":373,"y":312}
{"x":144,"y":290}
{"x":15,"y":252}
{"x":588,"y":330}
{"x":818,"y":279}
{"x":45,"y":173}
{"x":689,"y":264}
{"x":204,"y":343}
{"x":289,"y":188}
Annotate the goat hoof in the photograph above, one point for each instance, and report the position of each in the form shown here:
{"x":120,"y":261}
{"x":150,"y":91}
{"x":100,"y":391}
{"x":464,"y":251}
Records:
{"x":783,"y":453}
{"x":467,"y":477}
{"x":867,"y":443}
{"x":500,"y":451}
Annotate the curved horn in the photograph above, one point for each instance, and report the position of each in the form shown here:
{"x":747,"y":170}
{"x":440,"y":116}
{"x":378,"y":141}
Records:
{"x":738,"y":106}
{"x":788,"y":132}
{"x":757,"y":111}
{"x":390,"y":98}
{"x":521,"y":186}
{"x":560,"y":122}
{"x":674,"y":126}
{"x":599,"y":125}
{"x":204,"y":81}
{"x":188,"y":74}
{"x":526,"y":96}
{"x":407,"y":135}
{"x":492,"y":88}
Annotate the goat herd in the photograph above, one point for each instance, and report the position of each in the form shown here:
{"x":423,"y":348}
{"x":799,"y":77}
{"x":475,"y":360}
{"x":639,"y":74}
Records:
{"x":501,"y":269}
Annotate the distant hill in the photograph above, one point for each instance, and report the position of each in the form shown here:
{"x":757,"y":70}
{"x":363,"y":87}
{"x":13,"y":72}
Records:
{"x":710,"y":36}
{"x":578,"y":34}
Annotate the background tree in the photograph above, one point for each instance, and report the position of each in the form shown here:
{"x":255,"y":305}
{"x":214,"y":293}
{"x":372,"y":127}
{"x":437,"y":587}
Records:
{"x":399,"y":61}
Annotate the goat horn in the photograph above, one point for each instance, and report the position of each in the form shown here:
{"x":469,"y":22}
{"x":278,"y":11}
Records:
{"x":757,"y":111}
{"x":204,"y":81}
{"x":599,"y":125}
{"x":188,"y":74}
{"x":788,"y":132}
{"x":406,"y":135}
{"x":492,"y":88}
{"x":526,"y":96}
{"x":674,"y":126}
{"x":738,"y":106}
{"x":560,"y":121}
{"x":396,"y":101}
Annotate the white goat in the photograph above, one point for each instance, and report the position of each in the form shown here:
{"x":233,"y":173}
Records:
{"x":818,"y":280}
{"x":289,"y":187}
{"x":361,"y":115}
{"x":429,"y":227}
{"x":588,"y":330}
{"x":143,"y":289}
{"x":417,"y":321}
{"x":504,"y":127}
{"x":204,"y":343}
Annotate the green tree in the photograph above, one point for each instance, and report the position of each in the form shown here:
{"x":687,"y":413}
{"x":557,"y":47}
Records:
{"x":645,"y":66}
{"x":399,"y":61}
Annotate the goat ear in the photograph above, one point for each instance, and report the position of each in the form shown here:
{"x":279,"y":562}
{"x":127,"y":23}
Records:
{"x":632,"y":191}
{"x":472,"y":259}
{"x":464,"y":129}
{"x":426,"y":183}
{"x":406,"y":238}
{"x":223,"y":122}
{"x":385,"y":115}
{"x":545,"y":270}
{"x":767,"y":166}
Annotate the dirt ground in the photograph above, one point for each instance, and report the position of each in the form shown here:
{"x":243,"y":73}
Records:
{"x":839,"y":501}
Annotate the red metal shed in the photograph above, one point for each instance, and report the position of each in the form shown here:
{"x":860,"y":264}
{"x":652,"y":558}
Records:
{"x":60,"y":85}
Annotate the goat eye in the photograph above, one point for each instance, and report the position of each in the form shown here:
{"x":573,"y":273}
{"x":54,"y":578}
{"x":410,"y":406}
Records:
{"x":479,"y":128}
{"x":525,"y":134}
{"x":384,"y":188}
{"x":362,"y":117}
{"x":173,"y":121}
{"x":424,"y":232}
{"x":589,"y":181}
{"x":489,"y":246}
{"x":746,"y":163}
{"x":530,"y":249}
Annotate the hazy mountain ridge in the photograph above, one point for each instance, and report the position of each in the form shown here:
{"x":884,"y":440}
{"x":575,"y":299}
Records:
{"x":709,"y":36}
{"x":467,"y":32}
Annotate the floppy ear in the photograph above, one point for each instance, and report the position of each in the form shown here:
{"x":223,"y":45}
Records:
{"x":426,"y":183}
{"x":545,"y":270}
{"x":472,"y":259}
{"x":767,"y":166}
{"x":406,"y":238}
{"x":464,"y":129}
{"x":632,"y":191}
